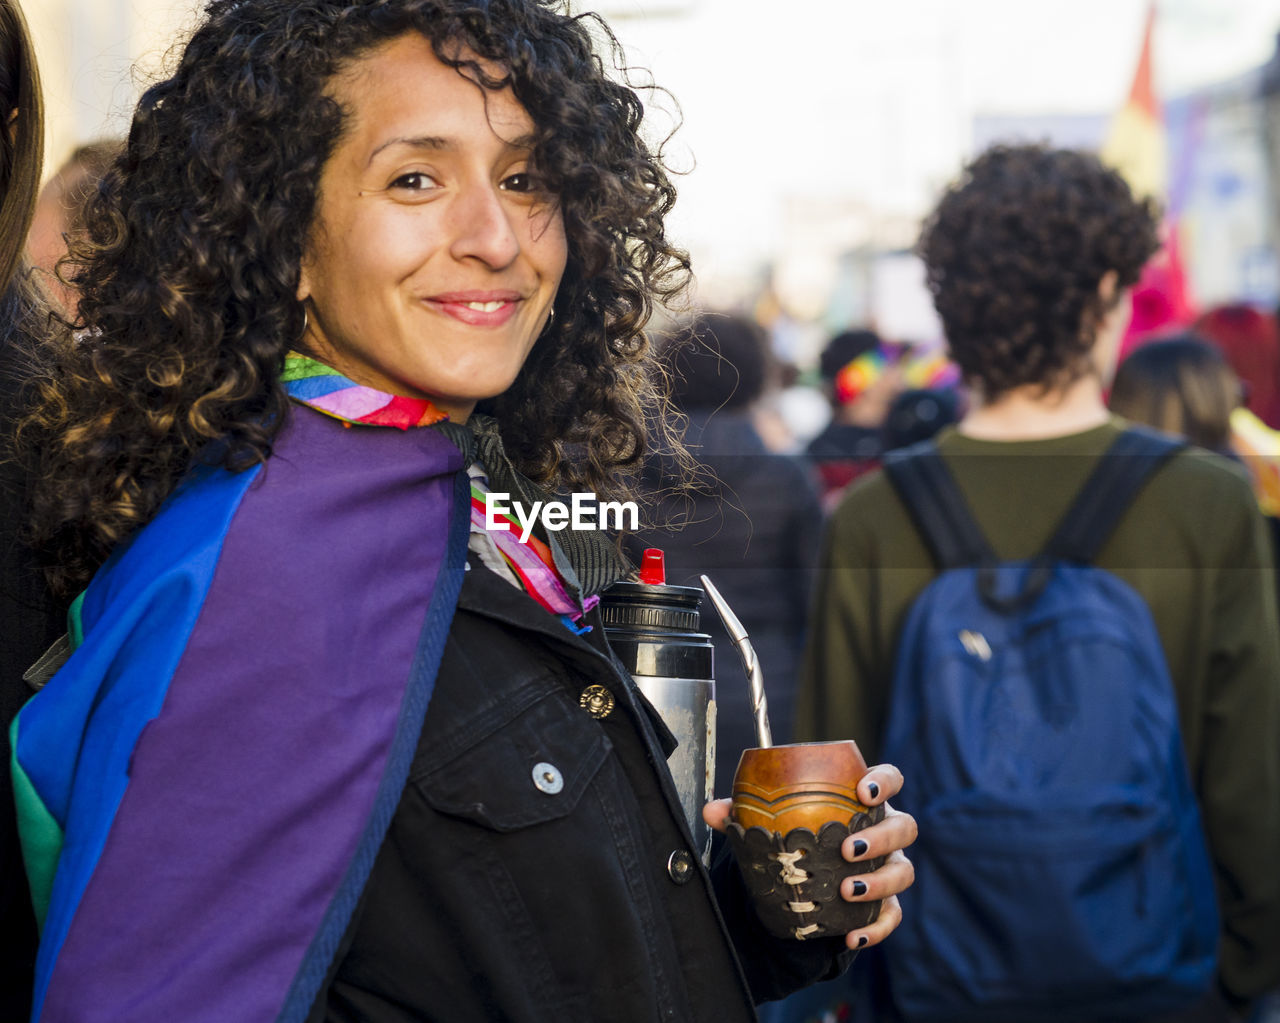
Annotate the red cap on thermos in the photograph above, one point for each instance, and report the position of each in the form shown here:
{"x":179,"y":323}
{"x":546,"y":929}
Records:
{"x":652,"y":570}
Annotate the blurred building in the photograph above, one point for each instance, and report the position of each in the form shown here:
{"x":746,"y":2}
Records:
{"x":1229,"y":251}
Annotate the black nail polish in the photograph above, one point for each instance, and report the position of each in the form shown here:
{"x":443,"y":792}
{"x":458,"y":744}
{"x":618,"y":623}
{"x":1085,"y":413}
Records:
{"x":875,"y":789}
{"x":859,"y":847}
{"x":862,"y":940}
{"x":859,"y":887}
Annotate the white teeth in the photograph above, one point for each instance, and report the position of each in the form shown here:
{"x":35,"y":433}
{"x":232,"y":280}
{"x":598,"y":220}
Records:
{"x":485,"y":307}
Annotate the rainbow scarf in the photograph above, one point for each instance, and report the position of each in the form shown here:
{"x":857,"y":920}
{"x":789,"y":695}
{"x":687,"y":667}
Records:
{"x":326,"y":390}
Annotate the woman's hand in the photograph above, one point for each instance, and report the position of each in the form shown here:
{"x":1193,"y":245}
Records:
{"x":888,"y":838}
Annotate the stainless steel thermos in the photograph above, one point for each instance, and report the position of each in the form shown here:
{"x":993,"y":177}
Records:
{"x":654,"y":630}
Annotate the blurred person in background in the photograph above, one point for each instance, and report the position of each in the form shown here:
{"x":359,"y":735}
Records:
{"x":919,"y":414}
{"x":859,"y":379}
{"x":1029,"y":257}
{"x":30,"y":619}
{"x":1185,"y":385}
{"x":1182,"y":385}
{"x":751,"y":524}
{"x":59,"y":216}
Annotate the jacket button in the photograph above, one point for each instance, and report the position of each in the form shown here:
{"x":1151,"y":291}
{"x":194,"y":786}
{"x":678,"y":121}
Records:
{"x":680,"y":866}
{"x":597,"y":701}
{"x":548,"y":778}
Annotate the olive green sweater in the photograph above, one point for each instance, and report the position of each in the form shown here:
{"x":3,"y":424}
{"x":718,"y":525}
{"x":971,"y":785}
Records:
{"x":1193,"y":545}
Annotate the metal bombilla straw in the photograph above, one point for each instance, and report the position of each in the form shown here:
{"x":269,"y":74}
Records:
{"x":750,"y":662}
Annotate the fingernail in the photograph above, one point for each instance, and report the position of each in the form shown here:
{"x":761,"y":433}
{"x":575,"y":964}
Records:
{"x":862,"y":940}
{"x":859,"y":887}
{"x":874,"y":789}
{"x":859,"y":847}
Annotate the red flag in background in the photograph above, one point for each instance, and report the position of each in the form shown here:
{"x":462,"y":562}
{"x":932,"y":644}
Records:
{"x":1137,"y":146}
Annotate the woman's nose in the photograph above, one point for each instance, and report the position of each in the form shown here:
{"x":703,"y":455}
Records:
{"x":485,"y":227}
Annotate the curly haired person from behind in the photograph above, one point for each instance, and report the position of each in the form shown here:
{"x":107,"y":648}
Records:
{"x":1029,"y":257}
{"x":322,"y":752}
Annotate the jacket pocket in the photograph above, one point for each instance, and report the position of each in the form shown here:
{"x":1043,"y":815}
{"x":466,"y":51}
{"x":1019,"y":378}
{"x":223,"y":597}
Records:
{"x":529,"y":761}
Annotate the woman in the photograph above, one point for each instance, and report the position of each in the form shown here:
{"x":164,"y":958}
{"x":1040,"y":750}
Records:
{"x":324,"y":749}
{"x":29,"y":619}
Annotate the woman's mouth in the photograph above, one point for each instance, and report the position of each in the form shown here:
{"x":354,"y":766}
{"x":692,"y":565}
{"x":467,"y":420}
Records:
{"x":477,"y":310}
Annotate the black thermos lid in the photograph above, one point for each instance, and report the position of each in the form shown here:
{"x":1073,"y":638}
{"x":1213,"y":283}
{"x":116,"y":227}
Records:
{"x":653,"y":628}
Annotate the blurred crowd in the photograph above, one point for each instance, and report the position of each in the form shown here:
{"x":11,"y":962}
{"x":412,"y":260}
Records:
{"x":1214,"y":380}
{"x":755,"y":527}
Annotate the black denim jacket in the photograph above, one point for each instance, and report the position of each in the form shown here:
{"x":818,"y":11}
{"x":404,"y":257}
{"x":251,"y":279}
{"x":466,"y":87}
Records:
{"x":501,"y":896}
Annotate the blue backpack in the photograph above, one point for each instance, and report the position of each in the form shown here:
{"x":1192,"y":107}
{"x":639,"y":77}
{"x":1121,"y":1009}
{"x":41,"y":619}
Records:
{"x":1061,"y":870}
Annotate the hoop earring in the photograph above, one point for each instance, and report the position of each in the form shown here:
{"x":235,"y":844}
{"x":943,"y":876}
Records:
{"x":306,"y":322}
{"x":551,"y":319}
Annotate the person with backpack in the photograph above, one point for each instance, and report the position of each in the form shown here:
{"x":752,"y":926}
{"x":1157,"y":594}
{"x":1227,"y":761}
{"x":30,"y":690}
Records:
{"x":1062,"y":629}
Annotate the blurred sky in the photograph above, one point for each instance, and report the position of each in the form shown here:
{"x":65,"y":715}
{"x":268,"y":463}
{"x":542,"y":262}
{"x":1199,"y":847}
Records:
{"x":856,"y":111}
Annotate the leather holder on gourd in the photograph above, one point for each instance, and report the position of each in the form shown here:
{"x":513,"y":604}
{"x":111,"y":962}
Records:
{"x":793,"y":807}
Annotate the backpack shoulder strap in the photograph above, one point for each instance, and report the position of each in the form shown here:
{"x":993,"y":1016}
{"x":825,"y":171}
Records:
{"x":937,"y":506}
{"x":1116,"y":480}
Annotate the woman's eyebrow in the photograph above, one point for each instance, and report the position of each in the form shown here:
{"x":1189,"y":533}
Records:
{"x":433,"y":142}
{"x":437,"y":143}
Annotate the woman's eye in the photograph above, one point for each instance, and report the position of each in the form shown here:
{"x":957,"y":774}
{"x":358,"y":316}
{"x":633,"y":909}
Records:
{"x":521,"y":182}
{"x":415,"y":181}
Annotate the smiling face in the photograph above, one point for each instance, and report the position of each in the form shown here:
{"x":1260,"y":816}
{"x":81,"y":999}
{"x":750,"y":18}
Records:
{"x":433,"y":258}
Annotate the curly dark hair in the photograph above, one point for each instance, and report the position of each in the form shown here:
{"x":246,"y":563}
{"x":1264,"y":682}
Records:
{"x":189,"y":275}
{"x":1014,"y":253}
